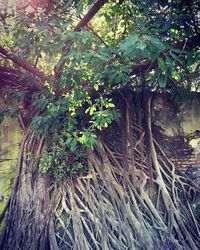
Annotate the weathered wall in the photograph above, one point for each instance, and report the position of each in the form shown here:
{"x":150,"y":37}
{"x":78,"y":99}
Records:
{"x":10,"y":137}
{"x":178,"y":124}
{"x":177,"y":118}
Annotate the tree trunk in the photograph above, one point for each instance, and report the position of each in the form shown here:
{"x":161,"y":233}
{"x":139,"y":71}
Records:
{"x":27,"y":221}
{"x":130,"y":198}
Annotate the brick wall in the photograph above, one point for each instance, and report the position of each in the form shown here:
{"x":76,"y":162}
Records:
{"x":188,"y":161}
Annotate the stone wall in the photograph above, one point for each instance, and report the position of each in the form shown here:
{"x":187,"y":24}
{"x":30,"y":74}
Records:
{"x":178,"y":129}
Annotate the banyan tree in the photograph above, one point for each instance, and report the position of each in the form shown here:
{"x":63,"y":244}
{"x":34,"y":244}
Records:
{"x":91,"y":173}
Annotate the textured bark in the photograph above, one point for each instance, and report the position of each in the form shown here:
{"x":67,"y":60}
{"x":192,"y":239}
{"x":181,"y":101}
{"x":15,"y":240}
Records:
{"x":27,"y":221}
{"x":21,"y":63}
{"x":112,"y":205}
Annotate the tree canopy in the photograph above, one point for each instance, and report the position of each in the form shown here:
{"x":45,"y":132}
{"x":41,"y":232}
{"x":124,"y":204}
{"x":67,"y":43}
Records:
{"x":72,"y":67}
{"x":72,"y":55}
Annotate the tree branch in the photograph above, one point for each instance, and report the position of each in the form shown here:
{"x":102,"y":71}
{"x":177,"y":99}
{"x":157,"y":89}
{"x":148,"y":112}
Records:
{"x":10,"y":70}
{"x":91,"y":13}
{"x":84,"y":21}
{"x":143,"y":66}
{"x":58,"y":70}
{"x":26,"y":66}
{"x":12,"y":77}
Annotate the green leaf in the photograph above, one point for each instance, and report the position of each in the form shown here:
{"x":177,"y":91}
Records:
{"x":176,"y":58}
{"x":73,"y":146}
{"x":155,"y":76}
{"x":155,"y":42}
{"x":141,"y":45}
{"x":162,"y":65}
{"x":169,"y":62}
{"x":190,"y":58}
{"x":176,"y":76}
{"x":79,"y":9}
{"x":128,"y":46}
{"x":163,"y":81}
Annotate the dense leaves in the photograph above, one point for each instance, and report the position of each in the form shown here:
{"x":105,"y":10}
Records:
{"x":128,"y":44}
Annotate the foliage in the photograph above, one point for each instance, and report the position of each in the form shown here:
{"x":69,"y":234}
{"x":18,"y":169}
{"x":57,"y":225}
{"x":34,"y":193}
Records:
{"x":59,"y":162}
{"x":67,"y":59}
{"x":98,"y":61}
{"x":75,"y":129}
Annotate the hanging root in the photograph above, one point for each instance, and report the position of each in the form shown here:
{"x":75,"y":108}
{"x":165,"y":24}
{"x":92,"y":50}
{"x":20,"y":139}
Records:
{"x":130,"y":198}
{"x":114,"y":206}
{"x":27,"y":212}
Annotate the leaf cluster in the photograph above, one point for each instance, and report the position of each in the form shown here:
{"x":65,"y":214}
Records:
{"x":128,"y":44}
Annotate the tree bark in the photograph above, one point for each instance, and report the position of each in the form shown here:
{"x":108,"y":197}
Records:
{"x":28,"y":215}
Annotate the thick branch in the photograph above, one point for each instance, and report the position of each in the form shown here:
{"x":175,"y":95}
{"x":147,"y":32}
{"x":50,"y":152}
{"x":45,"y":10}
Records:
{"x":86,"y":19}
{"x":10,"y":70}
{"x":12,"y":77}
{"x":58,"y":71}
{"x":91,"y":13}
{"x":21,"y":63}
{"x":143,"y":66}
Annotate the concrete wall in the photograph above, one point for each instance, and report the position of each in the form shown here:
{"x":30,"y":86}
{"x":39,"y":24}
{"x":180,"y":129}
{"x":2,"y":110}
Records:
{"x":178,"y":130}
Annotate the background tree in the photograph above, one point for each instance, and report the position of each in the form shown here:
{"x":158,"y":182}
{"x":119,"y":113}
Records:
{"x":90,"y":173}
